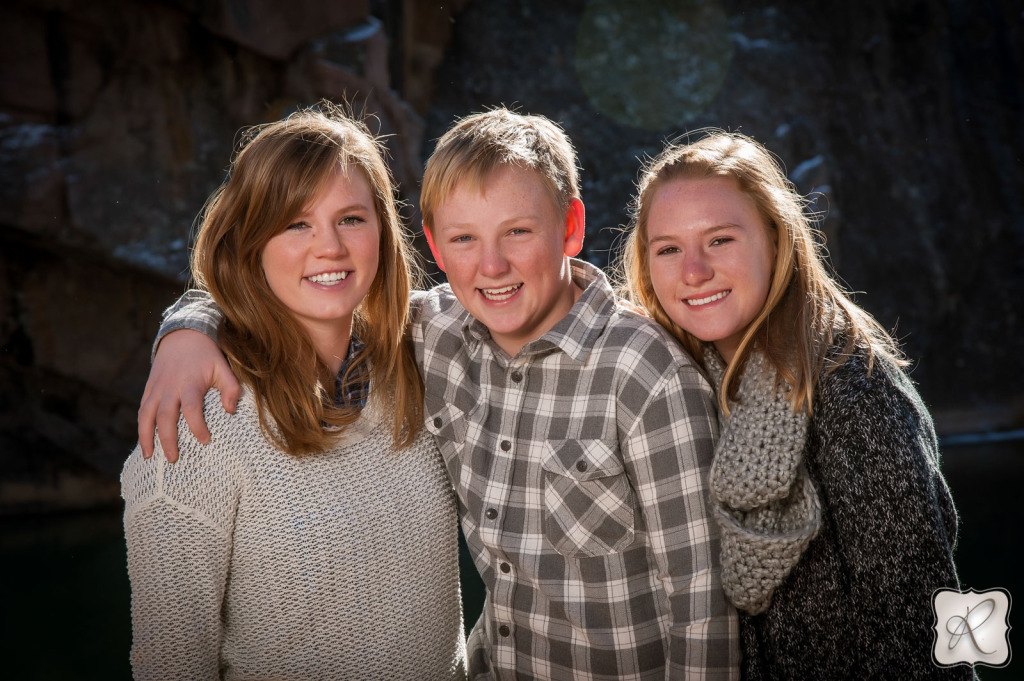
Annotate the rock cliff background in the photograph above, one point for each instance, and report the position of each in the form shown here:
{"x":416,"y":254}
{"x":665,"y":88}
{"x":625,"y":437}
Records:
{"x":117,"y":119}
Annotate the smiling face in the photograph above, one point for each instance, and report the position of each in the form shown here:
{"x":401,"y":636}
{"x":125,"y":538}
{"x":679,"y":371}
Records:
{"x":505,"y":247}
{"x":322,"y":265}
{"x":711,"y":258}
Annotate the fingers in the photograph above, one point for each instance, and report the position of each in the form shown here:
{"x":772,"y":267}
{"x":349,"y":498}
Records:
{"x":186,"y":364}
{"x":147,"y":423}
{"x":167,"y":427}
{"x":192,"y":410}
{"x":225,"y":381}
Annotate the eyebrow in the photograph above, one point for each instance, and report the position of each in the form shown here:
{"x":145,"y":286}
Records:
{"x":344,"y":209}
{"x":703,"y":232}
{"x":525,"y":217}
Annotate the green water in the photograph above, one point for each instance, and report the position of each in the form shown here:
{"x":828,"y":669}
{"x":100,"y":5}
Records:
{"x":65,"y":598}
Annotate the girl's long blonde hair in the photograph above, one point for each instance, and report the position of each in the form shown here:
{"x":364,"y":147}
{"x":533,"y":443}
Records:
{"x":806,"y":311}
{"x":277,"y":171}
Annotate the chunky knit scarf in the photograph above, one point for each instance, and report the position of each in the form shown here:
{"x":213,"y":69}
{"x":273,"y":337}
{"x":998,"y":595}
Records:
{"x":766,"y":506}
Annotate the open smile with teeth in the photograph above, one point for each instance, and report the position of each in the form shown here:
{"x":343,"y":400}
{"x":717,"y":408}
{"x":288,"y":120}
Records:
{"x":499,"y":294}
{"x":328,"y":278}
{"x":695,"y":302}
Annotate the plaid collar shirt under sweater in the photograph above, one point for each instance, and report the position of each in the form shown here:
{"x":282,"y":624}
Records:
{"x":581,"y":467}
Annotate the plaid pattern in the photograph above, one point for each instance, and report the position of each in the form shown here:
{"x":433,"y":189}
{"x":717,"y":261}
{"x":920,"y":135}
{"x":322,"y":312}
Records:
{"x":194,"y":310}
{"x":581,"y":467}
{"x":357,"y":389}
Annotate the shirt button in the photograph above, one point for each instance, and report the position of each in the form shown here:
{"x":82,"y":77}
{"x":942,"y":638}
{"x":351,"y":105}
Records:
{"x":505,"y":445}
{"x":504,"y":630}
{"x":516,"y":376}
{"x":438,"y":422}
{"x":505,"y":568}
{"x":491,"y":514}
{"x":581,"y":465}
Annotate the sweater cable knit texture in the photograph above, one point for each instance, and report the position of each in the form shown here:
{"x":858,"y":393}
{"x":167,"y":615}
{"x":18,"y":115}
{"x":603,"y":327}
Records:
{"x":246,"y":562}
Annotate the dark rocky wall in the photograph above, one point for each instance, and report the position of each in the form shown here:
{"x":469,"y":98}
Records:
{"x":117,"y":119}
{"x":904,"y":117}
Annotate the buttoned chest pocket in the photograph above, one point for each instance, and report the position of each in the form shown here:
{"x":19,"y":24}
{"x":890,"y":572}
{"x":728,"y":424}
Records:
{"x":588,"y":501}
{"x":448,"y":424}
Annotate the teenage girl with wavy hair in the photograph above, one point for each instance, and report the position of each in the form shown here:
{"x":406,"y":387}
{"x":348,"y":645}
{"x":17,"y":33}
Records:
{"x":315,"y":536}
{"x":837,"y":525}
{"x":293,"y":162}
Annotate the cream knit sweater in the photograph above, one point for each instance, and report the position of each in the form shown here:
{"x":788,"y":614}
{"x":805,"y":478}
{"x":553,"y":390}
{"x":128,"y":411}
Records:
{"x":248,"y":563}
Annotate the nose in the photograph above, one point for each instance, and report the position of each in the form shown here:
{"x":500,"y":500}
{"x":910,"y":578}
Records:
{"x":493,"y":262}
{"x":696,"y":269}
{"x":327,"y":242}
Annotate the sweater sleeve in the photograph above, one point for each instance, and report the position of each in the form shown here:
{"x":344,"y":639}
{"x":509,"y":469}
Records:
{"x":178,"y":522}
{"x":878,"y":465}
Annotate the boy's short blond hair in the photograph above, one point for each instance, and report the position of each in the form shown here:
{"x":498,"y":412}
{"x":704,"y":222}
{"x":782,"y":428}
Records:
{"x":482,"y":142}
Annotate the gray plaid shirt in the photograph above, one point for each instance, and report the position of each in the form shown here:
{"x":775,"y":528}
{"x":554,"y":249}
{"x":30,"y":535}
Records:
{"x":580,"y":466}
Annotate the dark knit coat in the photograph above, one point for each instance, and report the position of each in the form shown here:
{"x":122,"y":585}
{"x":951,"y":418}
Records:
{"x":858,"y":604}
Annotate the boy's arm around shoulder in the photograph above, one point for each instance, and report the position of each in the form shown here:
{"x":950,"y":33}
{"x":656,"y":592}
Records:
{"x":186,"y":363}
{"x":178,"y":525}
{"x":668,"y":448}
{"x":195,"y":310}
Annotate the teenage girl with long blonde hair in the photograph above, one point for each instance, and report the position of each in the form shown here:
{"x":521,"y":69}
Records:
{"x":837,"y":525}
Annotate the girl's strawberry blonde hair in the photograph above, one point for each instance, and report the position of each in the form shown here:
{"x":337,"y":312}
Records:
{"x":278,"y":169}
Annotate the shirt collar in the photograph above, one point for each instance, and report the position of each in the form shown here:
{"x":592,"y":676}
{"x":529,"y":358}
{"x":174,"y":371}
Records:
{"x":358,"y":389}
{"x":576,"y":333}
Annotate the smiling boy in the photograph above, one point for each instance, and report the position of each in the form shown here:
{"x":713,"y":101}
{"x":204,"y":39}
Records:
{"x":576,"y":433}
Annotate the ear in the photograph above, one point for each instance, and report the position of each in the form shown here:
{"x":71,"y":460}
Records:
{"x":433,"y":248}
{"x":575,"y":227}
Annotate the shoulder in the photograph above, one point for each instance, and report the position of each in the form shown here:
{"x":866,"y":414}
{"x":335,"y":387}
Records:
{"x":206,"y":477}
{"x":637,"y":343}
{"x":878,"y":410}
{"x":880,"y":388}
{"x":228,"y":429}
{"x":651,"y":373}
{"x":439,"y":303}
{"x":436,"y":315}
